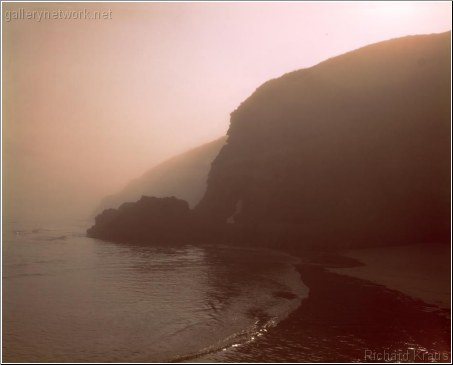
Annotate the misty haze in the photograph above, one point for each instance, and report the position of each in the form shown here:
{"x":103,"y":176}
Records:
{"x":226,"y":182}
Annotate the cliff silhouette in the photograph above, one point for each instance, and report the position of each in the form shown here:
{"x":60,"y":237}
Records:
{"x":353,"y":151}
{"x":183,"y":176}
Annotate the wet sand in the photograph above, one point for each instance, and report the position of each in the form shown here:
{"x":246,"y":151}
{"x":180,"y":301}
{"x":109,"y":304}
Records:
{"x":421,"y":271}
{"x":347,"y":319}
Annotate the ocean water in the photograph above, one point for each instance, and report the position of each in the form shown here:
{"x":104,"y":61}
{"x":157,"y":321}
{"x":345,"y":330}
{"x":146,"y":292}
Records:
{"x":69,"y":298}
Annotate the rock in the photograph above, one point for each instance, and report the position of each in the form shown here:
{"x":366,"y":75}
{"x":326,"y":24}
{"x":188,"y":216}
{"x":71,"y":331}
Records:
{"x":149,"y":219}
{"x":354,"y":151}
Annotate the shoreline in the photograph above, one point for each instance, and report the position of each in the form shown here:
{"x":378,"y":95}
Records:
{"x":347,"y":319}
{"x":421,"y":271}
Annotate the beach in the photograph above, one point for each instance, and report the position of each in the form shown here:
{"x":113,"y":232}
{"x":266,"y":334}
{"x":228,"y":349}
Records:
{"x":421,"y":271}
{"x":349,"y":319}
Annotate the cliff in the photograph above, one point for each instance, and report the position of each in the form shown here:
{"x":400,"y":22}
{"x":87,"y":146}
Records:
{"x":353,"y":151}
{"x":183,"y":176}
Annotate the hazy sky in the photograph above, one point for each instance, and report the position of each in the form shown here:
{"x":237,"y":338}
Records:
{"x":90,"y":104}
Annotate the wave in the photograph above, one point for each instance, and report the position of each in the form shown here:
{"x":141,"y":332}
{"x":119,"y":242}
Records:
{"x":257,"y":308}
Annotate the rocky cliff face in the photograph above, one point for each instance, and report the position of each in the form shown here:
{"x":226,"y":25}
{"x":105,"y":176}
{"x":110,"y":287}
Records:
{"x":353,"y":151}
{"x":183,"y":176}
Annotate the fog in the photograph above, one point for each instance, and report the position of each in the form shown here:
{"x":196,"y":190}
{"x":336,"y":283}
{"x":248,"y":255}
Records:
{"x":90,"y":104}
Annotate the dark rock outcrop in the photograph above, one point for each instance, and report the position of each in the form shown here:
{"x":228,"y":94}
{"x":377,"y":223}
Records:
{"x":353,"y":151}
{"x":152,"y":219}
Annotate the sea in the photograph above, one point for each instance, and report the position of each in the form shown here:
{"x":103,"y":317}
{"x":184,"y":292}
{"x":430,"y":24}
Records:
{"x":70,"y":298}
